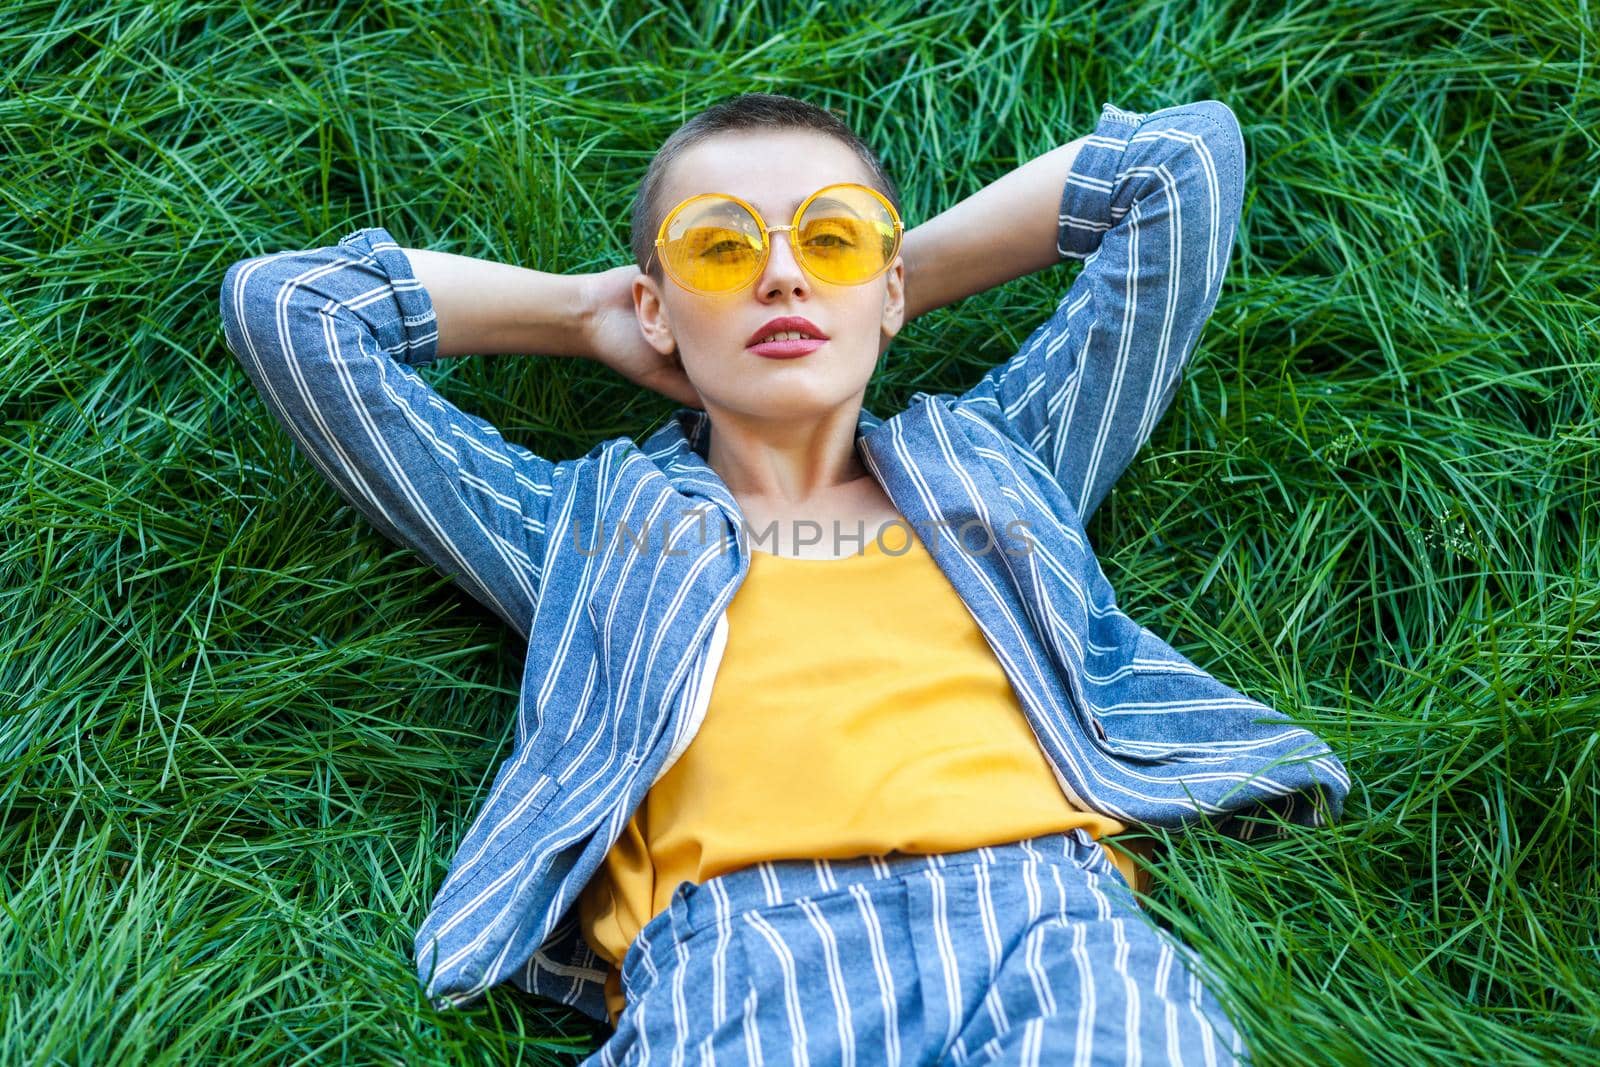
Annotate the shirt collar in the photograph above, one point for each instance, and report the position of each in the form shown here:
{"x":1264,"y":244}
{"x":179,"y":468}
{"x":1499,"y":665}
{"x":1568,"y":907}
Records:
{"x":679,"y":449}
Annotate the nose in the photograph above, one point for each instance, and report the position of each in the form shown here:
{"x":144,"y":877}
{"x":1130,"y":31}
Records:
{"x":782,"y":276}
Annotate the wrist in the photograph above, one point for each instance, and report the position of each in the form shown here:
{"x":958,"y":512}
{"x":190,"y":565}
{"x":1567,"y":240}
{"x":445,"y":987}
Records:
{"x":548,"y":313}
{"x":588,"y":302}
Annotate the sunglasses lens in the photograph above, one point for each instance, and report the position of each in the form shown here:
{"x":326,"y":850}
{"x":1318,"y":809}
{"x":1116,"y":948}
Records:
{"x":712,"y":244}
{"x":847,"y":235}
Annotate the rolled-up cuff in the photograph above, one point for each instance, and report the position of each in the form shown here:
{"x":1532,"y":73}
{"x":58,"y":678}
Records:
{"x":1086,"y":199}
{"x":406,"y":326}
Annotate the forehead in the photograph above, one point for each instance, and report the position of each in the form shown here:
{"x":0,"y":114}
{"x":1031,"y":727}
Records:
{"x":773,"y":169}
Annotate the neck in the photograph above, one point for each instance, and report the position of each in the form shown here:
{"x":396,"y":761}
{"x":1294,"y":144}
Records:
{"x":786,"y":460}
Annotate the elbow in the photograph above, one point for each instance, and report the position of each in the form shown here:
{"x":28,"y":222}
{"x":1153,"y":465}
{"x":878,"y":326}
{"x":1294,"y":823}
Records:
{"x":1198,"y":146}
{"x":1224,"y":124}
{"x":1220,"y":136}
{"x":1217,"y":123}
{"x":249,"y":302}
{"x":234,"y":306}
{"x":228,"y":298}
{"x":246,"y":302}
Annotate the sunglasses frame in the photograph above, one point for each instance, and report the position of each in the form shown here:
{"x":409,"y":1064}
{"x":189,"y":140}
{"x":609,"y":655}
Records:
{"x":766,"y":237}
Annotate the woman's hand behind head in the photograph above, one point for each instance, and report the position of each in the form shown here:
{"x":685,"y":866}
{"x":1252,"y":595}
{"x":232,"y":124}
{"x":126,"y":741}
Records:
{"x":616,"y":342}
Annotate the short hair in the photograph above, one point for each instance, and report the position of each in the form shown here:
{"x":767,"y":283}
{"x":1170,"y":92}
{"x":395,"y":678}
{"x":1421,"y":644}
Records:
{"x":749,"y":111}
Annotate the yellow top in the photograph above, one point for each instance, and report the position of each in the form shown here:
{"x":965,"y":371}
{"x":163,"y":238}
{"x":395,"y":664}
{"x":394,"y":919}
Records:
{"x":858,"y":710}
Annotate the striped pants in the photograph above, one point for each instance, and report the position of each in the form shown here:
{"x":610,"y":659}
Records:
{"x":1029,"y":952}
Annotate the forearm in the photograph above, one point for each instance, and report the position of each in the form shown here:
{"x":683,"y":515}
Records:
{"x":487,"y":307}
{"x":1003,"y":231}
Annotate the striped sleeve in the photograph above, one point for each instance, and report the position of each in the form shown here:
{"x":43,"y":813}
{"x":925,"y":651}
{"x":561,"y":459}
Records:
{"x":1150,"y":206}
{"x":330,"y":338}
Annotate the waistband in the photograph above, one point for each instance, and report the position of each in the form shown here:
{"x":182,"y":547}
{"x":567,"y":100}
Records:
{"x":773,"y":883}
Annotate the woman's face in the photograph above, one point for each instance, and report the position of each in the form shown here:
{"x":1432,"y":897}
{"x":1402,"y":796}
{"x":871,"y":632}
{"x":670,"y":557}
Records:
{"x":774,"y":171}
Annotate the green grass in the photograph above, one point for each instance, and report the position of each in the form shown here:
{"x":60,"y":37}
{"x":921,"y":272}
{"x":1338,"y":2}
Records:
{"x":240,"y":733}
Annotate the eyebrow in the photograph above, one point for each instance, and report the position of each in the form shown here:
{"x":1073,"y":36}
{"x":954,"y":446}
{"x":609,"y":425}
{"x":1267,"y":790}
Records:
{"x":829,"y":201}
{"x":723,"y":211}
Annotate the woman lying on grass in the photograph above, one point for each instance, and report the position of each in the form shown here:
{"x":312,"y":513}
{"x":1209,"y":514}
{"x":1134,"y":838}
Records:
{"x":826,"y":717}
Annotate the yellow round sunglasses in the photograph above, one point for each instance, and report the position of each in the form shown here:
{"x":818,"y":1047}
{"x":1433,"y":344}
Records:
{"x":843,"y":234}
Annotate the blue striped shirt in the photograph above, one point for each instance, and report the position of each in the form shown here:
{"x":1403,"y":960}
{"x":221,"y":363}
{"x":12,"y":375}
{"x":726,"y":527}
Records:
{"x":625,"y":634}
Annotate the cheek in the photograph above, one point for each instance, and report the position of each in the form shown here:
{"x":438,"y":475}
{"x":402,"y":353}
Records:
{"x":866,"y":314}
{"x":693,"y":333}
{"x":704,"y":321}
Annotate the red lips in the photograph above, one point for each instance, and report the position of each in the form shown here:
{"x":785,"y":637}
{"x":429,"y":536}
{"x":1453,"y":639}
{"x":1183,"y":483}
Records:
{"x":787,"y":324}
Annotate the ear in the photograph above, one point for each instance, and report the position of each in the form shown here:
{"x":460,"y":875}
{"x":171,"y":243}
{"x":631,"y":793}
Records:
{"x":894,"y":303}
{"x":651,"y":310}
